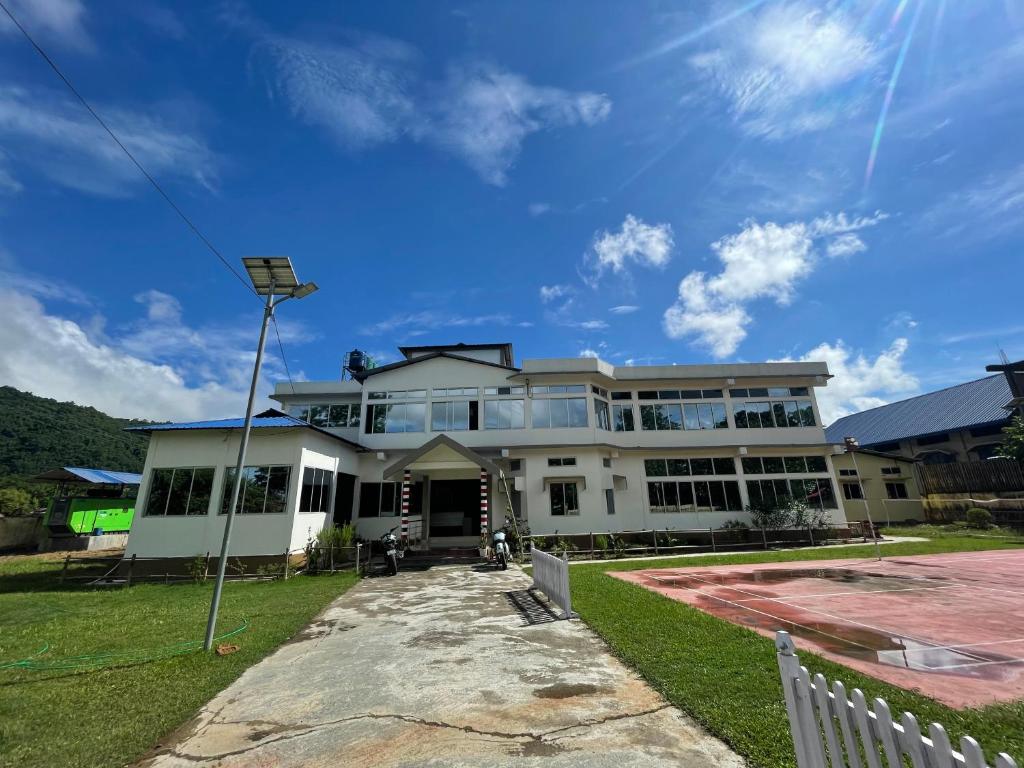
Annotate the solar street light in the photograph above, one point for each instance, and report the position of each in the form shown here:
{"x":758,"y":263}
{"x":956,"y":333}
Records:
{"x":273,"y":277}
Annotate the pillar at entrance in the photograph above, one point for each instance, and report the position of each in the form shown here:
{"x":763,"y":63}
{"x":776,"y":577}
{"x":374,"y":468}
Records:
{"x":484,"y":503}
{"x":406,"y":488}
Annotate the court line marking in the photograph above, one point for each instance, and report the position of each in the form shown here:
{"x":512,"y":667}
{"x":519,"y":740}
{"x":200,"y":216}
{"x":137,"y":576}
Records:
{"x":953,"y":647}
{"x":978,"y":664}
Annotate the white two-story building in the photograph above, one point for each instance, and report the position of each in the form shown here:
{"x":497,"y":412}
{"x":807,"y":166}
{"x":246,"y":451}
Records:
{"x":571,"y":445}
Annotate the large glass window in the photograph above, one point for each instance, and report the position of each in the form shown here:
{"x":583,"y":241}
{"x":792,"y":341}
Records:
{"x":622,"y":418}
{"x":316,"y":489}
{"x":558,"y":389}
{"x":815,"y":492}
{"x":686,"y":467}
{"x":264,"y":490}
{"x":453,"y":415}
{"x":180,"y":491}
{"x":683,"y":416}
{"x":783,"y":465}
{"x":380,"y":499}
{"x":601,"y":414}
{"x":504,"y":414}
{"x":397,"y":417}
{"x":564,"y":499}
{"x":896,"y":490}
{"x":789,"y":413}
{"x":668,"y":496}
{"x":559,"y":412}
{"x":329,"y":415}
{"x":852,"y":491}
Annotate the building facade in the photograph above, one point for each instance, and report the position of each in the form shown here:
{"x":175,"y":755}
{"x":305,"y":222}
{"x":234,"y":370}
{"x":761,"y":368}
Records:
{"x":462,"y":435}
{"x":881,"y":487}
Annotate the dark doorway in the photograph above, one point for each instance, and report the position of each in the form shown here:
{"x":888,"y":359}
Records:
{"x":344,"y":495}
{"x":454,"y":507}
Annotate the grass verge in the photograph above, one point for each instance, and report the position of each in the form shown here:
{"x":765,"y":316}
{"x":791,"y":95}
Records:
{"x":111,"y":716}
{"x":725,"y":676}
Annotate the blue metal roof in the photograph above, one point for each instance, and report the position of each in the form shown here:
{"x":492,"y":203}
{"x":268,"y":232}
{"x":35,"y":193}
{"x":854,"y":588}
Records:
{"x":966,"y":405}
{"x":258,"y":422}
{"x":105,"y":475}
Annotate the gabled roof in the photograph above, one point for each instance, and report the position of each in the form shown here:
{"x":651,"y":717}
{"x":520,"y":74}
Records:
{"x":972,"y":404}
{"x":269,"y":419}
{"x":363,"y":375}
{"x":504,"y":348}
{"x":440,"y":441}
{"x":86,"y":475}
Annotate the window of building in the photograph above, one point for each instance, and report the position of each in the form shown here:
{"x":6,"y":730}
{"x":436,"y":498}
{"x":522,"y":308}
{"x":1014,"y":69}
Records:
{"x":896,"y":490}
{"x":385,"y":499}
{"x":936,"y":457}
{"x":454,"y":415}
{"x":504,"y":414}
{"x":559,"y":389}
{"x":686,"y":467}
{"x":852,"y":491}
{"x":398,"y":417}
{"x":264,"y":490}
{"x":891,"y":471}
{"x":606,"y":462}
{"x":770,"y":392}
{"x":942,"y":437}
{"x":887,"y":447}
{"x":622,"y":395}
{"x":316,"y":489}
{"x":668,"y":496}
{"x":783,"y":465}
{"x":599,"y":391}
{"x":399,"y":394}
{"x":559,"y":412}
{"x":328,"y":415}
{"x":601,"y":417}
{"x":815,"y":492}
{"x":515,"y":465}
{"x":568,"y":461}
{"x":622,"y":418}
{"x":564,"y":499}
{"x":988,"y":431}
{"x":679,"y":394}
{"x":786,"y":413}
{"x":179,"y":491}
{"x":847,"y":472}
{"x":986,"y":451}
{"x":689,"y":416}
{"x":504,"y":390}
{"x":609,"y":501}
{"x":456,"y":392}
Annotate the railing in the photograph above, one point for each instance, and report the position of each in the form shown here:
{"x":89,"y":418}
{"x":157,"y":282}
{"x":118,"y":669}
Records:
{"x":551,"y":576}
{"x":993,"y":475}
{"x":864,"y":733}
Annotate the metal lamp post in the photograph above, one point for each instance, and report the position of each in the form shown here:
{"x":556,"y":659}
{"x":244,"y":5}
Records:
{"x":274,"y":278}
{"x":851,"y":448}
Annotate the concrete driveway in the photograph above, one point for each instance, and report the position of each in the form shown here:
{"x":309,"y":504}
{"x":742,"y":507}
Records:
{"x":440,"y":668}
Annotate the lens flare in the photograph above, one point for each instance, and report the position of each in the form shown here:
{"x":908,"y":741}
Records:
{"x":891,"y":89}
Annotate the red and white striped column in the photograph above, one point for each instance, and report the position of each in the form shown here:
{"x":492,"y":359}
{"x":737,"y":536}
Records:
{"x":484,"y":503}
{"x":406,"y":489}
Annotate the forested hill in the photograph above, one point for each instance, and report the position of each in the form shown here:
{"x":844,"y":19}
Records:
{"x":37,"y":434}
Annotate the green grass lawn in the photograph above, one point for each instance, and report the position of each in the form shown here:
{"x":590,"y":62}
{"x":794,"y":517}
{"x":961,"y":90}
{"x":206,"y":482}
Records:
{"x":111,"y":716}
{"x":726,"y":676}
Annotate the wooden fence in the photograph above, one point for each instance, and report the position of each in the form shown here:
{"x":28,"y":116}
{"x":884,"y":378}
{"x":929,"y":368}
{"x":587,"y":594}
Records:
{"x":864,"y":736}
{"x":992,"y":476}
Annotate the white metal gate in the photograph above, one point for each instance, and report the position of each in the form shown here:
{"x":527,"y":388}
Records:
{"x":865,"y":736}
{"x":551,"y":576}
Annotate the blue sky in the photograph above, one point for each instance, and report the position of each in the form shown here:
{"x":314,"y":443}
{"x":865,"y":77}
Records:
{"x":651,"y":182}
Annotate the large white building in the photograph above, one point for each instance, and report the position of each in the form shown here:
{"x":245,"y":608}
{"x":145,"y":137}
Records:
{"x":573,"y":445}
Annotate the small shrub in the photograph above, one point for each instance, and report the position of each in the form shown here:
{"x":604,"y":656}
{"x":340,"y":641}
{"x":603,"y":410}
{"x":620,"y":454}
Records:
{"x":197,"y":568}
{"x":601,"y":543}
{"x":979,"y":518}
{"x":735,"y":525}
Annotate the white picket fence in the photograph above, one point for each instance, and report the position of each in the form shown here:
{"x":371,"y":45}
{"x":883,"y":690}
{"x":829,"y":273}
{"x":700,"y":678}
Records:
{"x":864,"y":736}
{"x":551,"y":576}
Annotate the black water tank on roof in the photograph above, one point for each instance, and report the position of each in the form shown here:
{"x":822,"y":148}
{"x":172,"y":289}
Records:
{"x":356,"y":361}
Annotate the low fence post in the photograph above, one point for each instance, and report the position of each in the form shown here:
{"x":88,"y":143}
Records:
{"x":131,"y":567}
{"x":798,"y":705}
{"x":764,"y":538}
{"x":810,"y":534}
{"x":712,"y":532}
{"x":592,"y":552}
{"x":286,"y":565}
{"x":206,"y":567}
{"x":654,"y":533}
{"x":359,"y":546}
{"x":332,"y":558}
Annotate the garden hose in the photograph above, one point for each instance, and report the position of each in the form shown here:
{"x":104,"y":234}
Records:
{"x":115,"y":658}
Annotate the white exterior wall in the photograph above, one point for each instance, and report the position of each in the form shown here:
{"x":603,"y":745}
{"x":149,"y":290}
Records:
{"x":264,"y":534}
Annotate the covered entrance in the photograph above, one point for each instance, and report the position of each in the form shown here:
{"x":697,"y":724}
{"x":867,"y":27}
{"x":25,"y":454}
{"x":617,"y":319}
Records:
{"x":457,"y":488}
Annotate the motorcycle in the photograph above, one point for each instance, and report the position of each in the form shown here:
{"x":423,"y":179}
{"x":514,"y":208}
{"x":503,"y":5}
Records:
{"x":392,"y":553}
{"x":501,"y":550}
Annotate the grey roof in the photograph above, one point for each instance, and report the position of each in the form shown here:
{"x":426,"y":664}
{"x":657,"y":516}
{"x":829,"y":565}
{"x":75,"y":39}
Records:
{"x":363,"y":375}
{"x":971,"y":404}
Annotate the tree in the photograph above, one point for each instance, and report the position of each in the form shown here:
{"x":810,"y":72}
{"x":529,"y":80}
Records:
{"x":14,"y":501}
{"x":1013,"y":444}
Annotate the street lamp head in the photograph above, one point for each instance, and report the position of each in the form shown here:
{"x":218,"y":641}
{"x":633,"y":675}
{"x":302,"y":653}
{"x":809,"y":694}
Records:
{"x":303,"y":290}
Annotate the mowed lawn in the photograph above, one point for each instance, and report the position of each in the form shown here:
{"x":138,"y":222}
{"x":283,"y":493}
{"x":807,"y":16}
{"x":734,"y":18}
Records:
{"x":111,"y":716}
{"x":726,"y":676}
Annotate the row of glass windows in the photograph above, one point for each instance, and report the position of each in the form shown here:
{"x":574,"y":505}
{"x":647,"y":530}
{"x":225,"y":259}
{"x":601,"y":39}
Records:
{"x":816,"y":492}
{"x":687,"y":467}
{"x":853,"y":491}
{"x":680,"y":394}
{"x":677,"y":417}
{"x":337,"y":415}
{"x":777,"y":413}
{"x":781,"y":465}
{"x":669,"y":496}
{"x":264,"y":490}
{"x":770,"y":392}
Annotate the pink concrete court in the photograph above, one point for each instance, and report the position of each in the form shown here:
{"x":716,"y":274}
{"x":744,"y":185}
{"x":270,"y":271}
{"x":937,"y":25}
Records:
{"x":950,"y":626}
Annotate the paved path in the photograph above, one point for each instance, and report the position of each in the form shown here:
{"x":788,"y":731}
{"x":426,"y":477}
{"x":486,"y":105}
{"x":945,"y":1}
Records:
{"x":438,"y":668}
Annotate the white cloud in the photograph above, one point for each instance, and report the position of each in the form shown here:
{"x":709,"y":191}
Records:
{"x":371,"y":91}
{"x":859,"y":382}
{"x":549,"y":293}
{"x":8,"y":184}
{"x":157,"y":369}
{"x":845,"y":245}
{"x":66,"y":144}
{"x":781,"y":68}
{"x":761,"y":261}
{"x":590,"y":325}
{"x":59,"y":20}
{"x":636,"y":242}
{"x":538,"y":209}
{"x":418,"y":323}
{"x":990,"y":207}
{"x":588,"y":353}
{"x":623,"y":309}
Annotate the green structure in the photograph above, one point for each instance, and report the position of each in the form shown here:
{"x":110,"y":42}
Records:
{"x":90,"y":501}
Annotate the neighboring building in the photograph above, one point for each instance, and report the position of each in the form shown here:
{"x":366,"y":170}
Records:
{"x":881,"y":485}
{"x":572,"y":445}
{"x":961,"y":423}
{"x":91,"y":508}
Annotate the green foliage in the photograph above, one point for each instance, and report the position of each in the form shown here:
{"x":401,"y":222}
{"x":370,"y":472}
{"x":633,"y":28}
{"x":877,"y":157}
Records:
{"x":601,"y":542}
{"x":38,"y":434}
{"x":977,"y":517}
{"x":735,"y":525}
{"x":1013,"y":443}
{"x":771,"y":515}
{"x":118,"y":714}
{"x":197,"y":568}
{"x":14,"y":501}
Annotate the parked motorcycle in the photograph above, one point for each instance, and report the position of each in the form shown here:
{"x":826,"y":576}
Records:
{"x":392,"y":552}
{"x":501,"y":550}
